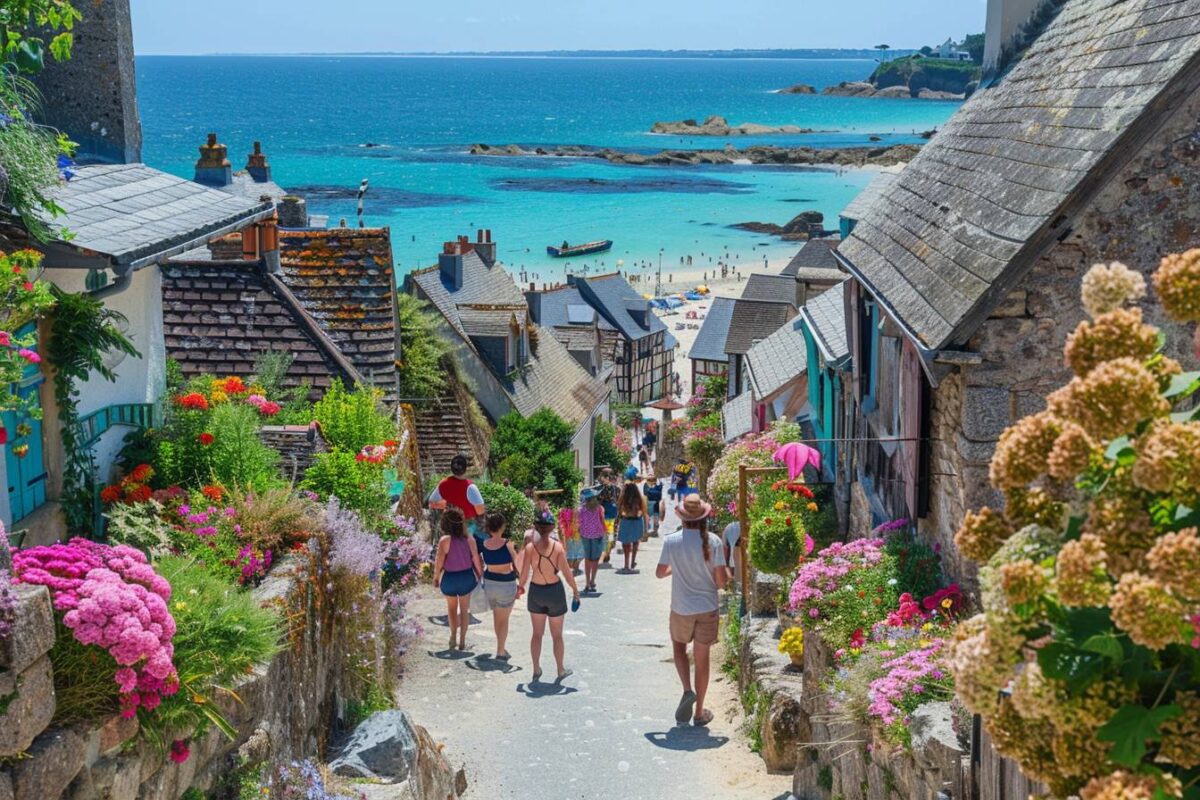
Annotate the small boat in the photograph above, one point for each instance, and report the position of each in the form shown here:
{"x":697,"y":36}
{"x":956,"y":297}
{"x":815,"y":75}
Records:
{"x":568,"y":250}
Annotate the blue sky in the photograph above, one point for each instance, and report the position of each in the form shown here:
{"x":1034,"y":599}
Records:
{"x":289,"y":26}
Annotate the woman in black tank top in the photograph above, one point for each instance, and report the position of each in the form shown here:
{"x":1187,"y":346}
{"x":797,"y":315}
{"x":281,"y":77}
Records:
{"x":543,"y":562}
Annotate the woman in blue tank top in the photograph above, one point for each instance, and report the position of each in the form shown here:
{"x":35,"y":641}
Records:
{"x":499,"y":577}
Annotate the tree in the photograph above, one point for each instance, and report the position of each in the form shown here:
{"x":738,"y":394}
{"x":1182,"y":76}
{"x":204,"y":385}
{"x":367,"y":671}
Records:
{"x":23,"y":24}
{"x":926,"y":50}
{"x":604,"y":449}
{"x":422,"y":371}
{"x":973,"y":44}
{"x":535,"y":452}
{"x":883,"y":48}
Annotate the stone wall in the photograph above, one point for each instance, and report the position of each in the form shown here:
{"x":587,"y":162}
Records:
{"x":286,"y":709}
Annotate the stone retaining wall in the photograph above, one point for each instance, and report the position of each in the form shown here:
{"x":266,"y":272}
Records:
{"x":287,"y":708}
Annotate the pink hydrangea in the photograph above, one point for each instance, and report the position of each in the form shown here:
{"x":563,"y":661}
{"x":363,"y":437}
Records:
{"x":112,"y":598}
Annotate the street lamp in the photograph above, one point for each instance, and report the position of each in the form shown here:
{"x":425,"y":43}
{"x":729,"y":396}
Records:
{"x":658,"y":284}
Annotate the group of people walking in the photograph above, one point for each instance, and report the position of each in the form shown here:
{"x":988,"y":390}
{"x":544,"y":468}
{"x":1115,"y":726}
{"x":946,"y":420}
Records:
{"x":474,"y":556}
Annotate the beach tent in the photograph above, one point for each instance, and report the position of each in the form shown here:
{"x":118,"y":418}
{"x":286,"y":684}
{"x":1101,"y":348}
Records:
{"x":694,"y":296}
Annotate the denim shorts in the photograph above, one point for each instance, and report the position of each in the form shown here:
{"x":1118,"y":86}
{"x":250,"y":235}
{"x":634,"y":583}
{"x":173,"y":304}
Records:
{"x":458,"y":584}
{"x":631,"y":530}
{"x":593,"y":549}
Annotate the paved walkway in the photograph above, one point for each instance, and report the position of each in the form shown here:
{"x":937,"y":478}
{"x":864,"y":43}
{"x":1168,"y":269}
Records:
{"x":607,"y":732}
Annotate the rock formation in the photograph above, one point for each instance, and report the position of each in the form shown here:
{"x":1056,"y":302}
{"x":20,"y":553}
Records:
{"x":758,"y":154}
{"x":388,"y":748}
{"x":801,"y":227}
{"x":718,"y":126}
{"x":799,"y":88}
{"x":867,"y":89}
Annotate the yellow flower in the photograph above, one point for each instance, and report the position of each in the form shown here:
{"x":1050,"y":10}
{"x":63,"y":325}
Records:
{"x":946,"y":603}
{"x":180,"y":606}
{"x":218,"y":396}
{"x":780,"y":505}
{"x":928,"y":626}
{"x":812,"y":506}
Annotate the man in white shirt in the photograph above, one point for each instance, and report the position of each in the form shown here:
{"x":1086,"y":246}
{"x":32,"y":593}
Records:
{"x":694,"y":559}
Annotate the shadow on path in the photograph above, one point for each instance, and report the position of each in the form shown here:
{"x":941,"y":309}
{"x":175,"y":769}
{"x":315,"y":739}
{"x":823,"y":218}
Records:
{"x":535,"y":690}
{"x":449,"y":655}
{"x":483,"y":663}
{"x":686,"y":737}
{"x":440,"y":619}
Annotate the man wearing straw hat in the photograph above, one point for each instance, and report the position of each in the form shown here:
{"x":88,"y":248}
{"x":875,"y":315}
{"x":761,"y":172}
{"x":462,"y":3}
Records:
{"x":694,"y":560}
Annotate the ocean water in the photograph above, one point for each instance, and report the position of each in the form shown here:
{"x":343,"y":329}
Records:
{"x":314,"y":116}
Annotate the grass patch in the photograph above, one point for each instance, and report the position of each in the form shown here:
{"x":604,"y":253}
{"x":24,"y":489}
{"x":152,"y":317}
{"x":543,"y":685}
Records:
{"x":755,"y":702}
{"x":825,"y":777}
{"x":731,"y":637}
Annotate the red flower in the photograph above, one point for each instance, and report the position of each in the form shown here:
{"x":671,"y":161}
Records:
{"x":28,"y":285}
{"x":213,"y":492}
{"x":857,"y":639}
{"x":110,"y":494}
{"x":233,"y":385}
{"x":194,"y":400}
{"x":141,"y":473}
{"x":179,"y":751}
{"x":269,"y":409}
{"x":391,"y":443}
{"x":205,"y":439}
{"x":138,"y":494}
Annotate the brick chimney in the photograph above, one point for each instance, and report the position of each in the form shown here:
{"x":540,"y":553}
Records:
{"x":261,"y":240}
{"x":485,"y":247}
{"x":293,"y":212}
{"x":1006,"y":20}
{"x":92,"y":97}
{"x":450,"y":262}
{"x":213,"y":168}
{"x":257,"y":166}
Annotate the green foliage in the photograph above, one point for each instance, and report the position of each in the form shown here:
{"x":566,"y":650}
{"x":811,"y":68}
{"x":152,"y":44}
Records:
{"x":775,"y":545}
{"x":237,"y":456}
{"x":23,"y":298}
{"x":24,"y":24}
{"x":708,"y":397}
{"x":82,"y":332}
{"x":192,"y":793}
{"x":139,"y":525}
{"x":513,"y":504}
{"x":926,"y":73}
{"x":731,"y":637}
{"x":626,"y":414}
{"x":756,"y":701}
{"x":374,"y":700}
{"x":221,"y":635}
{"x":31,"y":157}
{"x":353,"y":420}
{"x":973,"y":44}
{"x":273,"y":519}
{"x":358,"y":485}
{"x":604,"y":452}
{"x":422,"y":371}
{"x":535,"y":451}
{"x":918,"y":567}
{"x":270,"y":370}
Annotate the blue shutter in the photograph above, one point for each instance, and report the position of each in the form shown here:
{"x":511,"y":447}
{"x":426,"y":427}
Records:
{"x":26,"y":476}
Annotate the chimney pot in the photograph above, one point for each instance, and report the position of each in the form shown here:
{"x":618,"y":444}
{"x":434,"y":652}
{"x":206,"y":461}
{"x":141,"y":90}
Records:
{"x":257,"y":166}
{"x":293,"y":212}
{"x":213,"y":167}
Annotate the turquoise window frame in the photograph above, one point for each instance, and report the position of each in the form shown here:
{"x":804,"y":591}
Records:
{"x":26,"y":476}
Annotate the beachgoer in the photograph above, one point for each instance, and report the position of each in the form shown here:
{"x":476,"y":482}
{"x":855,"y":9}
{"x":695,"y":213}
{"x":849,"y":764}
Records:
{"x":731,"y":536}
{"x":681,"y":477}
{"x":631,"y":473}
{"x":545,"y":561}
{"x":653,"y":491}
{"x":633,"y":525}
{"x":609,"y":493}
{"x":694,"y":560}
{"x":644,"y":459}
{"x":459,"y":491}
{"x":456,"y":571}
{"x":649,"y":439}
{"x":499,"y":577}
{"x":568,"y":534}
{"x":592,"y":533}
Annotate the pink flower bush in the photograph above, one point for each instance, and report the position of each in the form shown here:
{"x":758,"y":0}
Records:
{"x":844,"y":587}
{"x":916,"y":677}
{"x":111,"y":598}
{"x":268,"y":408}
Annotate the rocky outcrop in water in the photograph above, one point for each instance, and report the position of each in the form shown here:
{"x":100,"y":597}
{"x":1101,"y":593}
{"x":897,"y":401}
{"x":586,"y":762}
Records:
{"x":799,"y":88}
{"x":867,"y":89}
{"x":718,"y":126}
{"x":803,"y":226}
{"x":759,"y":154}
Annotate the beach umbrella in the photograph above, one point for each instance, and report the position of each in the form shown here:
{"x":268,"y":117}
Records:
{"x":796,"y":457}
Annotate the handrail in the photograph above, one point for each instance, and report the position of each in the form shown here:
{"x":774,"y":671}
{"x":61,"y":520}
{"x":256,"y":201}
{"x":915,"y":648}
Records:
{"x":99,"y":422}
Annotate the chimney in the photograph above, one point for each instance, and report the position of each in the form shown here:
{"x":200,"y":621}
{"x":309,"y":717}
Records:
{"x":293,"y":212}
{"x":257,"y":166}
{"x":450,"y":262}
{"x":213,"y":168}
{"x":92,"y":97}
{"x":261,"y":241}
{"x":485,"y":246}
{"x":1006,"y":30}
{"x":534,"y":301}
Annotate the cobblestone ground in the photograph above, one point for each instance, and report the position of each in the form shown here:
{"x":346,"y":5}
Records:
{"x":607,"y":732}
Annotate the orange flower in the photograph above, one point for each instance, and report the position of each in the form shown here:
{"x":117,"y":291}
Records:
{"x":193,"y":400}
{"x":110,"y":494}
{"x":233,"y":385}
{"x":141,"y":473}
{"x":213,"y":492}
{"x":138,"y":494}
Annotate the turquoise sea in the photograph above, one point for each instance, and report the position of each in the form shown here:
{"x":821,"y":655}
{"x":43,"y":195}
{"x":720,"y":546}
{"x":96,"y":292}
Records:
{"x":314,"y":116}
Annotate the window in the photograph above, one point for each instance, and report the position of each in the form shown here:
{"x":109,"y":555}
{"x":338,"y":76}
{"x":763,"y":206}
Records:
{"x":868,"y":347}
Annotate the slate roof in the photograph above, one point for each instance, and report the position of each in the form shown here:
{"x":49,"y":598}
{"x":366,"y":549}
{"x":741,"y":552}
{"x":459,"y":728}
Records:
{"x":861,"y":204}
{"x":219,"y":316}
{"x":552,"y":378}
{"x":753,"y":320}
{"x":737,"y":416}
{"x":481,"y":285}
{"x":576,"y":337}
{"x":135,"y":215}
{"x":778,"y":359}
{"x":1004,"y":178}
{"x":761,"y":286}
{"x":825,"y":316}
{"x":345,"y":280}
{"x":611,"y":295}
{"x":816,"y":254}
{"x":557,"y":305}
{"x":488,"y":320}
{"x":710,"y":341}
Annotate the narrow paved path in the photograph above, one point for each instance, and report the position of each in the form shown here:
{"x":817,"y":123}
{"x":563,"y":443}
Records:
{"x":607,"y":732}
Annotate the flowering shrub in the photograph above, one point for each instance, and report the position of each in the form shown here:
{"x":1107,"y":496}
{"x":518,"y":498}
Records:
{"x":302,"y":781}
{"x":792,"y":641}
{"x":354,"y":550}
{"x":753,"y":451}
{"x":776,"y":544}
{"x":132,"y":489}
{"x":1085,"y":663}
{"x":110,"y":597}
{"x":844,"y":589}
{"x":22,"y":299}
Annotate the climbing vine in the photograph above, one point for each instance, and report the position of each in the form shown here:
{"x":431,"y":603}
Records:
{"x":82,"y":332}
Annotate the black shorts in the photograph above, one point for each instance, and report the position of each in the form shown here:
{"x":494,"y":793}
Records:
{"x":547,"y":598}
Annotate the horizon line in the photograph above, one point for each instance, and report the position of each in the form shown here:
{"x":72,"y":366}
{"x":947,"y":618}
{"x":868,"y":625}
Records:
{"x":745,"y":53}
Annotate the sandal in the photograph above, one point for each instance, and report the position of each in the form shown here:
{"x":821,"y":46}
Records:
{"x":705,"y":717}
{"x":686,"y":703}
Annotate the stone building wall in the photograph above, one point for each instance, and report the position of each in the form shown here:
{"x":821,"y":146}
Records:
{"x":286,"y":709}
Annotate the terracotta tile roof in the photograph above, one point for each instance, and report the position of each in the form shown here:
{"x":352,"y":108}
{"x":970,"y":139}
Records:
{"x":345,"y":280}
{"x":219,"y":316}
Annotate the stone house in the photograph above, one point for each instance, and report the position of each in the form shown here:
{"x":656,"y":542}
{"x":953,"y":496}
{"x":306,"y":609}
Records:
{"x":777,"y":383}
{"x":966,"y":268}
{"x":814,"y":268}
{"x":732,"y":326}
{"x":509,"y":362}
{"x":589,"y":338}
{"x":707,"y":356}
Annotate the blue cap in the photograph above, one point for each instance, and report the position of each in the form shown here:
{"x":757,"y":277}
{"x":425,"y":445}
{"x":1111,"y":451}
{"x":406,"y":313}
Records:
{"x":544,"y":517}
{"x":588,"y":494}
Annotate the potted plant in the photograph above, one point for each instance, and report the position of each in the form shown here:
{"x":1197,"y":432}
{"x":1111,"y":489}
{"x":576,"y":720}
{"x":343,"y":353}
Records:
{"x":791,"y":643}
